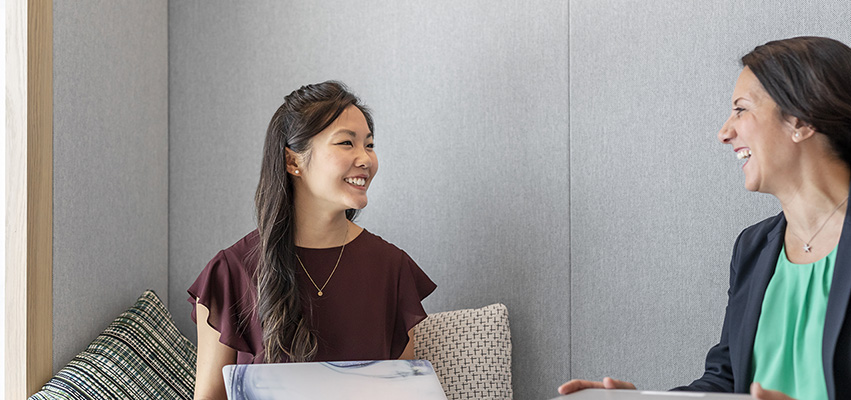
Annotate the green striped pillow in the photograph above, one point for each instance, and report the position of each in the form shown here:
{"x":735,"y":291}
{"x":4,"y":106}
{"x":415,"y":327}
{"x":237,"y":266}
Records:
{"x":140,"y":355}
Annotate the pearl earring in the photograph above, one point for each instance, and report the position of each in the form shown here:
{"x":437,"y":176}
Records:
{"x":296,"y":172}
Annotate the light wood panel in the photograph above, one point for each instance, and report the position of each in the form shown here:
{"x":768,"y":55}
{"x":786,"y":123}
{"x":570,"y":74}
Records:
{"x":29,"y":196}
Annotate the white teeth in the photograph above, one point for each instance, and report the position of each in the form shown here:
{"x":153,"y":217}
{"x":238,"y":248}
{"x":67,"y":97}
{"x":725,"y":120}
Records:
{"x":743,"y":154}
{"x":356,"y":181}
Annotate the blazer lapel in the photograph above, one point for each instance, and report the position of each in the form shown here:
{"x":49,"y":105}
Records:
{"x":762,"y":273}
{"x":837,"y":301}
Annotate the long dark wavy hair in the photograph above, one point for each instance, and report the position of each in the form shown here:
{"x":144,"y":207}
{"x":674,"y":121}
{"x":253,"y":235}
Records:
{"x":809,"y":78}
{"x":305,"y":112}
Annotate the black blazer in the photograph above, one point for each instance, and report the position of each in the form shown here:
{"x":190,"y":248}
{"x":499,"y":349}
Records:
{"x":728,"y":364}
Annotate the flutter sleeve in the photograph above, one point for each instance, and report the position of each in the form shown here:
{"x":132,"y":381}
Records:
{"x":414,"y":286}
{"x":224,"y":288}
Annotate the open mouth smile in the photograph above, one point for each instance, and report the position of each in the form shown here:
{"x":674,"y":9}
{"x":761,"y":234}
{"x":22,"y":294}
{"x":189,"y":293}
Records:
{"x":356,"y":181}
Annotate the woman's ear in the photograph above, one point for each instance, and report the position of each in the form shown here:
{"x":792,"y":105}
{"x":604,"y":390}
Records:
{"x":803,"y":131}
{"x":293,"y":161}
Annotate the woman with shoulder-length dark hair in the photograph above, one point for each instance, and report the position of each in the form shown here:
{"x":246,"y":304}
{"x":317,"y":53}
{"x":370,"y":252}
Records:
{"x":308,"y":284}
{"x":787,"y":331}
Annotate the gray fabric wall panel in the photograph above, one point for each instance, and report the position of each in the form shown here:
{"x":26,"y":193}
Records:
{"x":656,"y":201}
{"x":110,"y":227}
{"x":471,"y":124}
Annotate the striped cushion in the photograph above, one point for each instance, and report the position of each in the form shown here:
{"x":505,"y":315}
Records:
{"x":470,"y":351}
{"x":140,"y":355}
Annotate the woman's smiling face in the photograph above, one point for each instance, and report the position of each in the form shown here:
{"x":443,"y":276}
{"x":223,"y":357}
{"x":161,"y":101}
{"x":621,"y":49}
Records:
{"x":759,"y":134}
{"x":337,"y":170}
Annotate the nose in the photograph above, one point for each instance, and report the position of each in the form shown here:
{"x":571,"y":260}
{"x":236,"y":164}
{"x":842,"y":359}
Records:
{"x":362,"y":159}
{"x":726,"y":133}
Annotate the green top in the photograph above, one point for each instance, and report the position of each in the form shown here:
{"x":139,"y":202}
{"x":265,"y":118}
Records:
{"x":787,"y":347}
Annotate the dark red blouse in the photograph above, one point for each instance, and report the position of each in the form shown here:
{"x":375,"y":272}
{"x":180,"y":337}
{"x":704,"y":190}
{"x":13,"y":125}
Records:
{"x":364,"y":313}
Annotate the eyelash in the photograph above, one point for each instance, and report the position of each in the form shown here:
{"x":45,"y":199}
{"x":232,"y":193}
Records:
{"x":349,"y":143}
{"x":738,"y":110}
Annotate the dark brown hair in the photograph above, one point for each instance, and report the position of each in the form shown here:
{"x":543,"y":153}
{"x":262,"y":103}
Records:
{"x":810,"y":79}
{"x":305,"y":112}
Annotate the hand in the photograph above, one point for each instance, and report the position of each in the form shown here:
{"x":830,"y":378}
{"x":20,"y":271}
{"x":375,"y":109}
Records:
{"x":576,"y":385}
{"x":758,"y":392}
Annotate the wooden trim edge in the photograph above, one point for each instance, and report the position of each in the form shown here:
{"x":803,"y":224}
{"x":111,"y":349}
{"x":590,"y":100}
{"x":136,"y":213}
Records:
{"x":29,"y":196}
{"x":40,"y":196}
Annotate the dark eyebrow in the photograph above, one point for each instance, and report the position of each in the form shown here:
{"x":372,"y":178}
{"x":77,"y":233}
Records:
{"x":742,"y":98}
{"x":352,"y":133}
{"x":736,"y":102}
{"x":345,"y":131}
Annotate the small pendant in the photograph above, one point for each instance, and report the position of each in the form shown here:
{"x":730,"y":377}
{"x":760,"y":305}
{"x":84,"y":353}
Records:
{"x":320,"y":292}
{"x":807,"y":249}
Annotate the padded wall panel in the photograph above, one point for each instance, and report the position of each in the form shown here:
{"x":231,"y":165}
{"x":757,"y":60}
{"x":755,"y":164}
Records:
{"x":110,"y":197}
{"x":470,"y":103}
{"x":656,"y":200}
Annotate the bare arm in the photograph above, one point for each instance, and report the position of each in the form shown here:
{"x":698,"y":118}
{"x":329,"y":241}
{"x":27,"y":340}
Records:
{"x":212,"y":356}
{"x":408,"y":353}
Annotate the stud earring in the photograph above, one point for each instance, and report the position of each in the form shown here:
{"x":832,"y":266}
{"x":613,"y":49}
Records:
{"x":296,"y":172}
{"x":797,"y":134}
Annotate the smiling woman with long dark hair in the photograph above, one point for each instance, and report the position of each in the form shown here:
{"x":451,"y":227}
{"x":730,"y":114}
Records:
{"x":787,"y":331}
{"x":309,"y":284}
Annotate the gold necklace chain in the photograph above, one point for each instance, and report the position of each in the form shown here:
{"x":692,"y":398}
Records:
{"x":318,"y":289}
{"x":807,"y":247}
